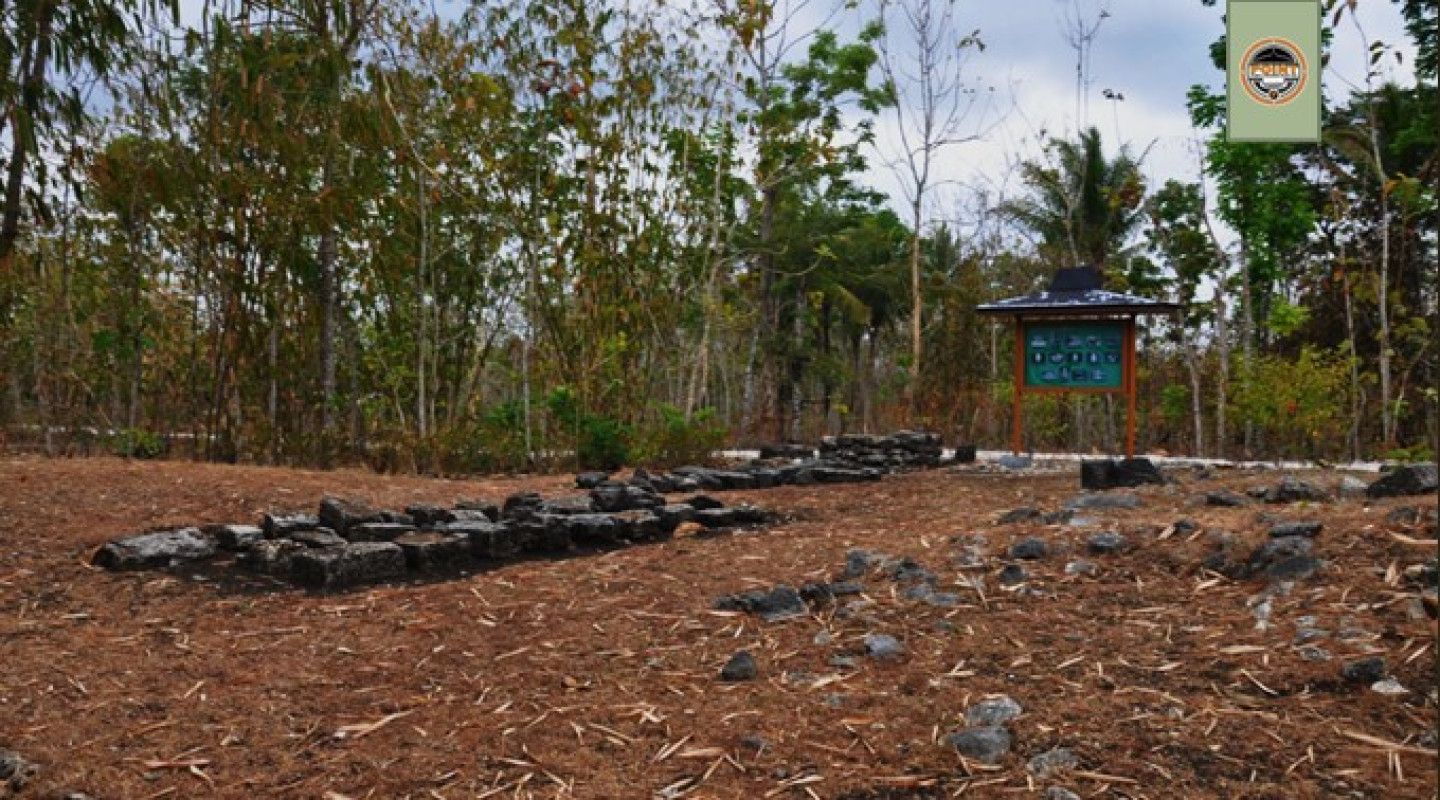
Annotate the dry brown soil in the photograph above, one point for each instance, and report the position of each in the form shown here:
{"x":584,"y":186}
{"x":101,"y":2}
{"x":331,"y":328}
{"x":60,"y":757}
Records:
{"x":596,"y":676}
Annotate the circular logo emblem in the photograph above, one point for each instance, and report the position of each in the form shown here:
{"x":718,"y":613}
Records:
{"x":1274,"y":71}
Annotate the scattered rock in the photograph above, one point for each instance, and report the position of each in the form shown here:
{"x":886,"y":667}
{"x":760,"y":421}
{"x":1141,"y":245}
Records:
{"x":859,"y":562}
{"x":1016,"y":462}
{"x":1030,"y":548}
{"x":779,"y":603}
{"x":1293,"y":552}
{"x":1082,"y":567}
{"x":1364,"y":670}
{"x":1388,"y":686}
{"x":1405,"y":481}
{"x":1350,"y":487}
{"x":1052,"y":761}
{"x":1012,"y":575}
{"x":1019,"y":515}
{"x":1308,"y":530}
{"x":964,"y":454}
{"x":1060,"y":793}
{"x":883,"y":646}
{"x":1293,"y":490}
{"x":1225,"y":499}
{"x":740,"y":667}
{"x":993,"y":711}
{"x":986,"y":744}
{"x":1106,"y":543}
{"x":159,"y":549}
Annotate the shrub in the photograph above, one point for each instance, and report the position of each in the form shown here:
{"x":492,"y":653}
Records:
{"x":677,"y":439}
{"x":137,"y":443}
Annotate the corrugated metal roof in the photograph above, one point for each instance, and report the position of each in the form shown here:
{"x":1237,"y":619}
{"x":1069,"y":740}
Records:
{"x":1077,"y":291}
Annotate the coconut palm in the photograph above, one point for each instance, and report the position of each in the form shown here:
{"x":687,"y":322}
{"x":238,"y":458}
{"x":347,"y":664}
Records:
{"x":1082,"y":207}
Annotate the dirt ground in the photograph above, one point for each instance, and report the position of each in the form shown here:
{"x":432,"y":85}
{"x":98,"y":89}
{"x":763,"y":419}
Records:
{"x":597,"y":676}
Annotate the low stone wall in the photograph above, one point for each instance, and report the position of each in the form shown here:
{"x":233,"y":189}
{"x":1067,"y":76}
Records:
{"x":347,"y":543}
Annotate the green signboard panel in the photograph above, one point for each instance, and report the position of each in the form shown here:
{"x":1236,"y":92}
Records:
{"x":1075,"y":355}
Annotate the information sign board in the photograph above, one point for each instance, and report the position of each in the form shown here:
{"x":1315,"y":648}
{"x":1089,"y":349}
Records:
{"x":1075,"y":356}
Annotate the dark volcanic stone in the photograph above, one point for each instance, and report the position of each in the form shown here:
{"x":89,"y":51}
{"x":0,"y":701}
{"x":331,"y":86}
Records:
{"x":1104,"y":501}
{"x":271,"y":556}
{"x":825,"y":593}
{"x":351,"y":565}
{"x":987,"y":744}
{"x":426,"y":516}
{"x":965,"y":454}
{"x":1051,"y":761}
{"x":908,"y":570}
{"x":321,"y":537}
{"x":592,"y":529}
{"x":565,"y":506}
{"x":589,"y":480}
{"x":883,"y":646}
{"x":994,"y":711}
{"x":703,"y":502}
{"x":278,"y":525}
{"x":340,"y":515}
{"x":1108,"y":474}
{"x":235,"y":537}
{"x":378,"y":531}
{"x":1030,"y":547}
{"x":1306,"y":529}
{"x":640,"y":526}
{"x":1364,"y":670}
{"x":1293,"y":490}
{"x":787,"y":450}
{"x":431,"y":550}
{"x":487,"y":539}
{"x":1012,"y":575}
{"x":1225,"y":499}
{"x":672,"y":515}
{"x":859,"y":562}
{"x":740,"y":667}
{"x":1106,"y":542}
{"x":716,"y":517}
{"x":542,"y":533}
{"x":520,"y":505}
{"x":1019,"y":515}
{"x":1406,"y":481}
{"x":1286,"y":558}
{"x":490,"y":510}
{"x":781,"y":602}
{"x":611,"y":496}
{"x":158,"y":549}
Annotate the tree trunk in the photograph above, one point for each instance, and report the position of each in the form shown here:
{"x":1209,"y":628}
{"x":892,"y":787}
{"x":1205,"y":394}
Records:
{"x":329,"y":290}
{"x":33,"y":65}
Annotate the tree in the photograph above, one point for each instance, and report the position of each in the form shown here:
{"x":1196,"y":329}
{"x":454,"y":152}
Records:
{"x":933,"y":109}
{"x":1082,"y":206}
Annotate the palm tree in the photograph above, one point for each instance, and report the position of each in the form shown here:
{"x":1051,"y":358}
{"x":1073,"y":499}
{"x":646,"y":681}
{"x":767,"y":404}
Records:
{"x":1082,"y":206}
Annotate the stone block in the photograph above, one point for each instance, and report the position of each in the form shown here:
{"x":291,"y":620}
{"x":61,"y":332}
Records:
{"x":353,"y":564}
{"x":159,"y":549}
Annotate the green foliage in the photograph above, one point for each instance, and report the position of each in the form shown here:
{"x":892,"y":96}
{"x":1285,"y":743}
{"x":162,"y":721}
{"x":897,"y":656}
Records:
{"x":138,"y":443}
{"x":599,"y":441}
{"x":676,"y":439}
{"x":1299,"y":402}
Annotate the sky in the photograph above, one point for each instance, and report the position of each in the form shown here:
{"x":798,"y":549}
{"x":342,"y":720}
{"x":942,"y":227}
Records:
{"x":1149,"y":51}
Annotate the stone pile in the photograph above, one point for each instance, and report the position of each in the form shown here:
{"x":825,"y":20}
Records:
{"x":349,"y":543}
{"x":899,"y":451}
{"x":853,"y":458}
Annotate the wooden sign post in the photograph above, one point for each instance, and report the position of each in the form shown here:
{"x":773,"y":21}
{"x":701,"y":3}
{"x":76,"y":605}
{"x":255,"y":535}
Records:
{"x":1075,"y":338}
